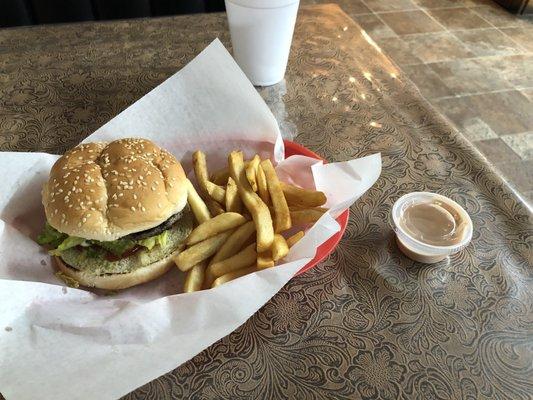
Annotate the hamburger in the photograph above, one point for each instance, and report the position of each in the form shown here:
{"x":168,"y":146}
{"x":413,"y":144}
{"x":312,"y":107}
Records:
{"x":116,"y":213}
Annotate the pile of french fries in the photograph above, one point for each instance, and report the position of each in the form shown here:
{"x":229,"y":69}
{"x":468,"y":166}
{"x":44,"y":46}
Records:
{"x":242,"y":214}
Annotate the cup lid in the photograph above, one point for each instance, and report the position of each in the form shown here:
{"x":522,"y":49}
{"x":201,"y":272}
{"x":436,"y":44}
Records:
{"x":263,"y":3}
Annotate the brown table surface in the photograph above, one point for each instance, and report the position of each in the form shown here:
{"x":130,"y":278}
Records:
{"x":367,"y":322}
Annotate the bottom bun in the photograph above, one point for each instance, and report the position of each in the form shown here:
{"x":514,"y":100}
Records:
{"x":118,"y":281}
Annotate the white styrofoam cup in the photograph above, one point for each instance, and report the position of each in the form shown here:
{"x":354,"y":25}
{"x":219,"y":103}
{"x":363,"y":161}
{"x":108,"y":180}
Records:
{"x":261,"y":35}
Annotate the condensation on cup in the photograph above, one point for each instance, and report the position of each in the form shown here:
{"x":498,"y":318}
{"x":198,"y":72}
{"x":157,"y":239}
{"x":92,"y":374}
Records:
{"x":261,"y":35}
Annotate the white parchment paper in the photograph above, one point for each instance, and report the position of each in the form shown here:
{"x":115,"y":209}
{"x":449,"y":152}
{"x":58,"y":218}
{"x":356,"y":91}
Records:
{"x":62,"y":343}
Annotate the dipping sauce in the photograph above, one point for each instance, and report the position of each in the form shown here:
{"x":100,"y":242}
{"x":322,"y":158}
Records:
{"x":430,"y":227}
{"x":435,"y":223}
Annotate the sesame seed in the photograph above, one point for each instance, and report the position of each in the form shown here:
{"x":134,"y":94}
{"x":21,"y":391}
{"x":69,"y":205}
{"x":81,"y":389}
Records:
{"x":159,"y":205}
{"x":132,"y":208}
{"x":143,"y":209}
{"x":79,"y":224}
{"x":135,"y":196}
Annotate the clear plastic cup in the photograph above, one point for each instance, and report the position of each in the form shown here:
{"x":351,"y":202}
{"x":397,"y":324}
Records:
{"x":416,"y":249}
{"x":261,"y":35}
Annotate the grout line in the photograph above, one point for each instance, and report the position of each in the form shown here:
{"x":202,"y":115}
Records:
{"x":418,"y":7}
{"x":476,"y":94}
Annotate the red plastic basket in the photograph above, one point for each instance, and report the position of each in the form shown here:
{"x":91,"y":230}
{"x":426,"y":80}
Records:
{"x":327,"y":247}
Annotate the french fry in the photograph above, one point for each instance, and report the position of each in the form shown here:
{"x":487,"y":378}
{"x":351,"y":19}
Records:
{"x":214,"y":226}
{"x":235,"y":242}
{"x":279,"y":247}
{"x":264,"y":260}
{"x":233,"y":201}
{"x":233,"y":275}
{"x":200,"y":251}
{"x":198,"y":207}
{"x":195,"y":278}
{"x":217,"y":193}
{"x":220,"y":177}
{"x":282,"y":216}
{"x":200,"y":170}
{"x":242,"y":259}
{"x":302,"y":217}
{"x":291,"y":241}
{"x":319,"y":209}
{"x":214,"y":207}
{"x":207,"y":188}
{"x":241,"y":237}
{"x":258,"y":209}
{"x":304,"y":198}
{"x":251,"y":172}
{"x":262,"y":188}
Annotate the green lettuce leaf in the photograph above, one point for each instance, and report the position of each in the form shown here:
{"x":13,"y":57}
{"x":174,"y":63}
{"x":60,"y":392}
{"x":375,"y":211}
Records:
{"x":60,"y":242}
{"x":117,"y":247}
{"x":162,"y":239}
{"x":151,"y":241}
{"x":69,"y":242}
{"x":51,"y":236}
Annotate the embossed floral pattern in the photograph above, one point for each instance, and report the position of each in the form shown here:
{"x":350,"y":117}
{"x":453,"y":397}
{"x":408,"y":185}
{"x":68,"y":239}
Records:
{"x":288,"y":312}
{"x":376,"y":375}
{"x":456,"y":292}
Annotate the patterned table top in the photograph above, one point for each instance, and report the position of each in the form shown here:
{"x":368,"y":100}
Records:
{"x":367,"y":322}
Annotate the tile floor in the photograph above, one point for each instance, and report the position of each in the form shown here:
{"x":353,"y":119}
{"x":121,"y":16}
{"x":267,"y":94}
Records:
{"x":473,"y":61}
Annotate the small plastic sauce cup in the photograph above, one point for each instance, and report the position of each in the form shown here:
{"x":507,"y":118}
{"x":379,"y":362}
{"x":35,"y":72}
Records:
{"x":415,"y":248}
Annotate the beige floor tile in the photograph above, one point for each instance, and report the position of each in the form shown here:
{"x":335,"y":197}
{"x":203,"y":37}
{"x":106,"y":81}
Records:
{"x":407,"y":22}
{"x":517,"y":70}
{"x":374,"y":26}
{"x":488,"y":42}
{"x":429,"y":83}
{"x":390,"y":5}
{"x":496,"y":151}
{"x":398,"y":51}
{"x":444,"y":3}
{"x":350,"y":7}
{"x":439,"y":46}
{"x":459,"y":18}
{"x":470,"y":76}
{"x":489,"y":115}
{"x":498,"y":16}
{"x":521,"y":35}
{"x":521,"y":143}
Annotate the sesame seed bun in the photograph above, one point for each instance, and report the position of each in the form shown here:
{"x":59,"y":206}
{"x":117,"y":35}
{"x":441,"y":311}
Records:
{"x":104,"y":191}
{"x":117,"y":281}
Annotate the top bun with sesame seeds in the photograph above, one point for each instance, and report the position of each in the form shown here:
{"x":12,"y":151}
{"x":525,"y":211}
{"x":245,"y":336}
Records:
{"x":104,"y":191}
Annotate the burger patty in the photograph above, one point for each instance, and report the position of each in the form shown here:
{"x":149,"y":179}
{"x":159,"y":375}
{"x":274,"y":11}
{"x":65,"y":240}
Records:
{"x":159,"y":228}
{"x":177,"y":233}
